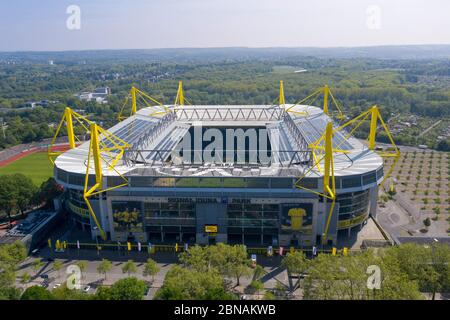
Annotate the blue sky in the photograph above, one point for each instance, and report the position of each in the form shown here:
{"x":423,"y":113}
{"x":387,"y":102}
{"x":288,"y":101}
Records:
{"x":120,"y":24}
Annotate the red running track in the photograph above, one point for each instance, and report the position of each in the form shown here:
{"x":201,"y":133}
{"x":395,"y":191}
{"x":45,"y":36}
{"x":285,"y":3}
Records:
{"x":23,"y":154}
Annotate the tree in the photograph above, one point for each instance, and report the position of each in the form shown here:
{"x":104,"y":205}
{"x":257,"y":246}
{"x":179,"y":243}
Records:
{"x":257,"y":285}
{"x":196,"y":258}
{"x":129,"y":267}
{"x":238,"y":263}
{"x":444,"y":145}
{"x":269,"y":296}
{"x":64,"y":293}
{"x":16,"y":193}
{"x":188,"y":284}
{"x":339,"y":277}
{"x":296,"y":264}
{"x":428,"y":266}
{"x":57,"y":265}
{"x":230,"y":260}
{"x":104,"y":267}
{"x":48,"y":191}
{"x":82,"y":265}
{"x":8,"y":195}
{"x":11,"y":255}
{"x":125,"y":289}
{"x":258,"y":272}
{"x":26,"y":191}
{"x":25,"y":277}
{"x":150,"y":269}
{"x":37,"y":265}
{"x":36,"y":293}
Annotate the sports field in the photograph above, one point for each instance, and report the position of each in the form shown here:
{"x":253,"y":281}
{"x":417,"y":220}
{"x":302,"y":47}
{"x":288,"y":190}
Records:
{"x":36,"y":166}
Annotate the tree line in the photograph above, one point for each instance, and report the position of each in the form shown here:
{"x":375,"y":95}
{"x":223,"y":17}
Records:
{"x":18,"y":193}
{"x":401,"y":272}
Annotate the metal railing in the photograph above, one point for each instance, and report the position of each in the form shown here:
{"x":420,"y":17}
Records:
{"x":225,"y":113}
{"x":170,"y":158}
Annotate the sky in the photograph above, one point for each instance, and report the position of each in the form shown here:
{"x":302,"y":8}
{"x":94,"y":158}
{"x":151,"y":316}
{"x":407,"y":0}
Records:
{"x":53,"y":25}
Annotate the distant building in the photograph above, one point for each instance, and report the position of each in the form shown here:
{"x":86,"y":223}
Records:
{"x":99,"y":95}
{"x":104,"y":91}
{"x":34,"y":104}
{"x":33,"y":230}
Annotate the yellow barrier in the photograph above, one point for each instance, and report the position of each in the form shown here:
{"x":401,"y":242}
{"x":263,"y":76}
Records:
{"x":179,"y":248}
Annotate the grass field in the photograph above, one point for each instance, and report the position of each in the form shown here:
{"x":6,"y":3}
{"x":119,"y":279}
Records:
{"x":36,"y":166}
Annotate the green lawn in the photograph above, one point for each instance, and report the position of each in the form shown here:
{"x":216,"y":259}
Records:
{"x":36,"y":166}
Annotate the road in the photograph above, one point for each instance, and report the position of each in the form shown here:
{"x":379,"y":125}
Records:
{"x":429,"y":128}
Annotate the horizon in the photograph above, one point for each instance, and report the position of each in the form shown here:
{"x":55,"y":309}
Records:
{"x":232,"y":47}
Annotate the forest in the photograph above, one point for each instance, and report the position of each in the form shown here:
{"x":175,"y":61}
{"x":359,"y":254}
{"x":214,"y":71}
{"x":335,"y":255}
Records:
{"x":401,"y":83}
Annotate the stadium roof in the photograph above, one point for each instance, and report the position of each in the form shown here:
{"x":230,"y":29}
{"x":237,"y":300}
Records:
{"x":152,"y":135}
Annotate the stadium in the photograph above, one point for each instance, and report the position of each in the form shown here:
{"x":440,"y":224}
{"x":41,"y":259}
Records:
{"x":261,"y":175}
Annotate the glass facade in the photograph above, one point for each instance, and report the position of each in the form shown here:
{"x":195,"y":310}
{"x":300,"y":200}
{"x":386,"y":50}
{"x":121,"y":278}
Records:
{"x":253,"y":224}
{"x":170,"y":221}
{"x":353,"y":204}
{"x":256,"y":182}
{"x":78,"y":207}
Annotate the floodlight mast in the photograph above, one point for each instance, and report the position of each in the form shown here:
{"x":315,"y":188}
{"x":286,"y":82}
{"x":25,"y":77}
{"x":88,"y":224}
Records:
{"x":69,"y":123}
{"x":96,"y":147}
{"x":328,"y":189}
{"x":326,"y":91}
{"x":68,"y":119}
{"x":137,"y":96}
{"x":281,"y":101}
{"x":179,"y":100}
{"x":133,"y":100}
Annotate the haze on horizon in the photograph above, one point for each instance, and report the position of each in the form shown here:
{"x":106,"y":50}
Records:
{"x":28,"y":25}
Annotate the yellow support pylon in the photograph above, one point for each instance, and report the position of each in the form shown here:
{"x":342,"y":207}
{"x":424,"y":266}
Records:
{"x":373,"y":126}
{"x":69,"y":118}
{"x":179,"y":100}
{"x":95,"y":152}
{"x":133,"y":100}
{"x":326,"y":91}
{"x":281,"y":101}
{"x":149,"y":101}
{"x":327,"y":94}
{"x":328,"y":158}
{"x":329,"y":189}
{"x":69,"y":124}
